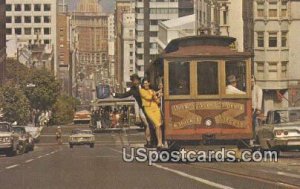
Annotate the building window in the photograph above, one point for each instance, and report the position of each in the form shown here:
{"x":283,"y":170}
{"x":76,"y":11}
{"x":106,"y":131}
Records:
{"x":8,"y":7}
{"x":8,"y":19}
{"x":131,"y":46}
{"x":283,"y":39}
{"x":273,"y":9}
{"x":27,"y":7}
{"x":18,"y":7}
{"x":18,"y":19}
{"x":130,"y":33}
{"x":37,"y":31}
{"x":27,"y":31}
{"x":272,"y":70}
{"x":131,"y":54}
{"x":47,"y":41}
{"x":154,"y":22}
{"x":153,"y":34}
{"x":140,"y":33}
{"x":283,"y":9}
{"x":37,"y":19}
{"x":260,"y":9}
{"x":224,"y":17}
{"x":27,"y":19}
{"x":47,"y":7}
{"x":139,"y":45}
{"x":131,"y":61}
{"x":272,"y":39}
{"x":260,"y":39}
{"x":284,"y":69}
{"x":260,"y":69}
{"x":47,"y":19}
{"x":8,"y":31}
{"x":18,"y":31}
{"x":37,"y":7}
{"x":47,"y":31}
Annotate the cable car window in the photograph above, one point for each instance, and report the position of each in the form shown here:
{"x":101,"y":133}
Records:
{"x":207,"y":75}
{"x":235,"y":77}
{"x":179,"y":78}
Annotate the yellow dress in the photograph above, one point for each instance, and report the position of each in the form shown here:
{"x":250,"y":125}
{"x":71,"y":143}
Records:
{"x":150,"y":104}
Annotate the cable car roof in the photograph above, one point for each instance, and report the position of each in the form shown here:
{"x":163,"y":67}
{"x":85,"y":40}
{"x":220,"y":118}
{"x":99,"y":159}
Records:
{"x":202,"y":46}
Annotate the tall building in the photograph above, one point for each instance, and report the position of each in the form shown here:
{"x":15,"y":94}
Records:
{"x":2,"y":41}
{"x":31,"y":22}
{"x":111,"y":48}
{"x":122,"y":7}
{"x":63,"y":50}
{"x":128,"y":44}
{"x":147,"y":16}
{"x":229,"y":18}
{"x":277,"y":54}
{"x":91,"y":28}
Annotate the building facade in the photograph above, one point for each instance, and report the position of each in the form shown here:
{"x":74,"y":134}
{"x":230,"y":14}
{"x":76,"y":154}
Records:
{"x":229,"y":18}
{"x":277,"y":54}
{"x":175,"y":28}
{"x":31,"y":22}
{"x":122,"y":7}
{"x":2,"y":42}
{"x":90,"y":26}
{"x":63,"y":51}
{"x":128,"y":47}
{"x":147,"y":16}
{"x":111,"y":48}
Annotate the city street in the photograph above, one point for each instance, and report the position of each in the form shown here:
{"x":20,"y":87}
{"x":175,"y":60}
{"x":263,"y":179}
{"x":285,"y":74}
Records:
{"x":53,"y":166}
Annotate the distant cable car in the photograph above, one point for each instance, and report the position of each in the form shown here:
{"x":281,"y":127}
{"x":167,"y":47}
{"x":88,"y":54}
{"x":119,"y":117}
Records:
{"x":103,"y":91}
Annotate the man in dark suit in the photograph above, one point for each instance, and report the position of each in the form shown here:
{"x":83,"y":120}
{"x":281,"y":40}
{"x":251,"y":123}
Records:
{"x":134,"y":91}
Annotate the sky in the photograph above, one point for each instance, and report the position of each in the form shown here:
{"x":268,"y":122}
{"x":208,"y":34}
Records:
{"x":108,"y":5}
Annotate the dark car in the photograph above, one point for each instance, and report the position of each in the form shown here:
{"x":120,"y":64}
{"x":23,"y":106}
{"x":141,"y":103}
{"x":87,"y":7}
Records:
{"x":26,"y":141}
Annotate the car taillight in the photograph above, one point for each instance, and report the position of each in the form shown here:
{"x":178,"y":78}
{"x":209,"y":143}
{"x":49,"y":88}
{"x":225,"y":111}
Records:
{"x":285,"y":132}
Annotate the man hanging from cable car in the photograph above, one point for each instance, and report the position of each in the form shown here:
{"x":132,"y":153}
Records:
{"x":134,"y":91}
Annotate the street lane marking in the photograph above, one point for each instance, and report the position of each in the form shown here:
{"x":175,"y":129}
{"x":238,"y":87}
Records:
{"x":183,"y":174}
{"x":204,"y":181}
{"x":288,"y":174}
{"x":12,"y":166}
{"x":28,"y":161}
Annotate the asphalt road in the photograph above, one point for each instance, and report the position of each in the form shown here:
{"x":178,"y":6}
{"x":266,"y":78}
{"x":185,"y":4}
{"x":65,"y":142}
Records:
{"x":59,"y":167}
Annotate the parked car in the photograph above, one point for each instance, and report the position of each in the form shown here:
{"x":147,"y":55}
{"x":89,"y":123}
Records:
{"x":281,"y":131}
{"x":25,"y":139}
{"x":82,"y":137}
{"x":9,"y":141}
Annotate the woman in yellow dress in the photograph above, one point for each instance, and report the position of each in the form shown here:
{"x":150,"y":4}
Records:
{"x":150,"y":103}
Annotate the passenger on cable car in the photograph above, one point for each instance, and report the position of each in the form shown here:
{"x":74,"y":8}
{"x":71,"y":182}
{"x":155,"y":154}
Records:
{"x":150,"y":102}
{"x":231,"y":88}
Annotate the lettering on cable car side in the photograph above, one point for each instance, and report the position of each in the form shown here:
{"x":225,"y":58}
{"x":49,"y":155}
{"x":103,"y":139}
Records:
{"x":184,"y":111}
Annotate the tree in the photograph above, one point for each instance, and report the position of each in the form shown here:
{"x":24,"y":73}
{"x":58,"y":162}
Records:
{"x":45,"y":91}
{"x":16,"y":73}
{"x":15,"y":105}
{"x":64,"y":109}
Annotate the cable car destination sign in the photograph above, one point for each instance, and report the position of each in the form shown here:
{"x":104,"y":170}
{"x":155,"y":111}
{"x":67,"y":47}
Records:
{"x":229,"y":112}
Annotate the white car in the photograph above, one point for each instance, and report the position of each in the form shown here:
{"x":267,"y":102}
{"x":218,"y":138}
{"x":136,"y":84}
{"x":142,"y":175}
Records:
{"x":82,"y":137}
{"x":9,"y":141}
{"x":281,"y":130}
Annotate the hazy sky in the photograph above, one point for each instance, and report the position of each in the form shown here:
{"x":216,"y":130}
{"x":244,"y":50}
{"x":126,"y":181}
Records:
{"x":108,"y":5}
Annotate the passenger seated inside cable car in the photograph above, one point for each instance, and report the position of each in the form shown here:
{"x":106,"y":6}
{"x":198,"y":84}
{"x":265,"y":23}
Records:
{"x":236,"y":77}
